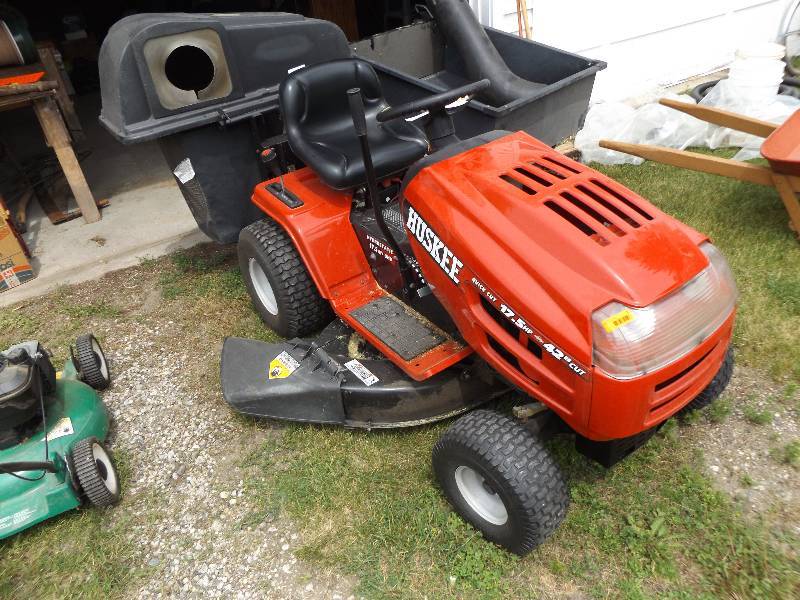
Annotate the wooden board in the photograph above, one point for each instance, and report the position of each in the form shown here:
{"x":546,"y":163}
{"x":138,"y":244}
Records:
{"x":341,"y":12}
{"x":723,"y":118}
{"x":58,"y":139}
{"x":697,"y":162}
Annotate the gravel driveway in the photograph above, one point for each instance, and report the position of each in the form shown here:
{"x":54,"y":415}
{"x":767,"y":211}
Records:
{"x":185,"y":496}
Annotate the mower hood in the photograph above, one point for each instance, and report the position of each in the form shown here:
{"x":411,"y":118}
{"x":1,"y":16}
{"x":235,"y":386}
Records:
{"x":554,"y":238}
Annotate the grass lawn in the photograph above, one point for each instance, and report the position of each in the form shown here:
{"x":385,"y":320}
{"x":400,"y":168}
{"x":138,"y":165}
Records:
{"x":653,"y":526}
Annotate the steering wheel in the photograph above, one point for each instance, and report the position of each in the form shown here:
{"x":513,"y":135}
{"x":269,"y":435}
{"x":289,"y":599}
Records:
{"x":431,"y":103}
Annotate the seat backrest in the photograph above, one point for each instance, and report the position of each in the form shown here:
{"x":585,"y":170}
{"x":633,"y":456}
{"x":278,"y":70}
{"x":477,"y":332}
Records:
{"x":315,"y":98}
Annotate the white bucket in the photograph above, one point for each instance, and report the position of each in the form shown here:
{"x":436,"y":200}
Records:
{"x":755,"y":76}
{"x":757,"y":68}
{"x":767,"y":50}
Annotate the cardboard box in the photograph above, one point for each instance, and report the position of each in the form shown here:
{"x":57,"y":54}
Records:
{"x":14,"y":266}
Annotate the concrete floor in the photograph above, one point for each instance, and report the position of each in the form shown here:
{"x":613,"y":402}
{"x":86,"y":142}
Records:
{"x":147,"y":216}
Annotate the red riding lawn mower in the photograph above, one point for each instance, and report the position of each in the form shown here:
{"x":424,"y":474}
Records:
{"x":460,"y":270}
{"x":443,"y":273}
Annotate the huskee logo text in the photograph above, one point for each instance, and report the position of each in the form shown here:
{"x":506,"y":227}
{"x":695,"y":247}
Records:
{"x":434,"y":245}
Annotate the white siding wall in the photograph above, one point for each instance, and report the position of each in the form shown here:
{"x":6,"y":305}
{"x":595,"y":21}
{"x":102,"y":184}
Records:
{"x":646,"y":43}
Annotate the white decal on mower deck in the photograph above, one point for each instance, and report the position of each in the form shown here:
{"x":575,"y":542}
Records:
{"x":62,"y":428}
{"x":18,"y":518}
{"x":512,"y":315}
{"x":366,"y":376}
{"x":433,"y":244}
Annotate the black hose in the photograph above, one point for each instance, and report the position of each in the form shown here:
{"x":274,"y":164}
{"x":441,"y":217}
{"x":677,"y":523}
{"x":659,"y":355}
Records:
{"x":789,"y":87}
{"x":481,"y":59}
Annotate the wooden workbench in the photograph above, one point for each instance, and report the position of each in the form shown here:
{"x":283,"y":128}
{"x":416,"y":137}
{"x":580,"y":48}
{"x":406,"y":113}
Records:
{"x":58,"y":138}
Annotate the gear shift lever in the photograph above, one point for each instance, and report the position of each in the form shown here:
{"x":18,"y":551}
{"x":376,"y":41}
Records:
{"x":270,"y":158}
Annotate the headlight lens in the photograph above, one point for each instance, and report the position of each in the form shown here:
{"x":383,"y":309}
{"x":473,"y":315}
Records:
{"x":629,"y":342}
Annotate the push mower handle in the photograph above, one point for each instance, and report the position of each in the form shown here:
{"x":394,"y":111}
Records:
{"x":357,"y":111}
{"x":20,"y":466}
{"x":431,"y":103}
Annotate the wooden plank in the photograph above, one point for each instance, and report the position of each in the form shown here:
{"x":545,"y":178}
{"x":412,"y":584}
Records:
{"x":25,"y":88}
{"x":20,"y":100}
{"x":58,"y":138}
{"x":523,"y":5}
{"x":696,"y":162}
{"x":723,"y":118}
{"x":788,"y":195}
{"x":64,"y":101}
{"x":341,"y":12}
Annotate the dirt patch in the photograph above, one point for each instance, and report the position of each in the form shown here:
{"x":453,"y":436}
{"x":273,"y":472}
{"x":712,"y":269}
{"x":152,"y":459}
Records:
{"x":743,"y":452}
{"x":186,"y":487}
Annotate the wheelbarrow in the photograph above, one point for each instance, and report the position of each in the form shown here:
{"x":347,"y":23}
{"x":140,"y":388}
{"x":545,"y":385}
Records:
{"x":781,"y":149}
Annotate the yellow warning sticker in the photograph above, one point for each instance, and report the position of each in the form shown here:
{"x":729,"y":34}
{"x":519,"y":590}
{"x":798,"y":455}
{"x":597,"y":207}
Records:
{"x":615,"y":321}
{"x":282,"y":366}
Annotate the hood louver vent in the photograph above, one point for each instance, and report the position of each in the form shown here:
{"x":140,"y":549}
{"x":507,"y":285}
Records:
{"x":591,"y":206}
{"x":626,"y":201}
{"x":577,"y":222}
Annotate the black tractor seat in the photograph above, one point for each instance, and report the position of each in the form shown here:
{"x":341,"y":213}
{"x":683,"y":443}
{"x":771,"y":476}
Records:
{"x":320,"y":128}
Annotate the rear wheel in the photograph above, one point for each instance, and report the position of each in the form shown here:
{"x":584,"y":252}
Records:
{"x":95,"y":472}
{"x":91,"y":362}
{"x":278,"y":282}
{"x":500,"y":478}
{"x":714,"y":389}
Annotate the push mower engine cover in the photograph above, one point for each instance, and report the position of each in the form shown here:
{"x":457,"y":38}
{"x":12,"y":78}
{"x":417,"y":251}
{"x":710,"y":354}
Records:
{"x":522,"y":245}
{"x":18,"y":400}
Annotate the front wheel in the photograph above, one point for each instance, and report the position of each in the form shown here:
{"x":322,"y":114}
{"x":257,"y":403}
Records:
{"x":499,"y":477}
{"x":714,"y":389}
{"x":95,"y":472}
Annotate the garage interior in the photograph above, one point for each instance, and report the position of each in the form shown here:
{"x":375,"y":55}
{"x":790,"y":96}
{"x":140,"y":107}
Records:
{"x":142,"y":212}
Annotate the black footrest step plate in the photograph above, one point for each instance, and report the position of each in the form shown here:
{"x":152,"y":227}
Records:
{"x":397,"y":327}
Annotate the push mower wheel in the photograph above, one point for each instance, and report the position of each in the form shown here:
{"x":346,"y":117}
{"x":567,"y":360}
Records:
{"x":281,"y":289}
{"x":501,"y":478}
{"x":714,"y":389}
{"x":91,"y":362}
{"x":95,"y":472}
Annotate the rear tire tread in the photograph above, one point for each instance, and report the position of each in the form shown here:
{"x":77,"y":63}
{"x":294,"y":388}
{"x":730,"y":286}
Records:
{"x":88,"y":364}
{"x":303,"y":309}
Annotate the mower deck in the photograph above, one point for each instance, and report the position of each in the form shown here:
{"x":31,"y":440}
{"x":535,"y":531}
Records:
{"x":337,"y":379}
{"x":74,"y":412}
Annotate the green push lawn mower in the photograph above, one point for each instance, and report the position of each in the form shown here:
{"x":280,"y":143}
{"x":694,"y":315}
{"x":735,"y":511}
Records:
{"x":52,"y":428}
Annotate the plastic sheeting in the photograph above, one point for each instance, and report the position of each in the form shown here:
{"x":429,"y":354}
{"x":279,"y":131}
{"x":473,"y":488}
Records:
{"x":661,"y":126}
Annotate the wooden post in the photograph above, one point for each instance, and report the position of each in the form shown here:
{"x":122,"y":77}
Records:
{"x":786,"y":187}
{"x":57,"y":137}
{"x":64,"y":101}
{"x":526,"y":24}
